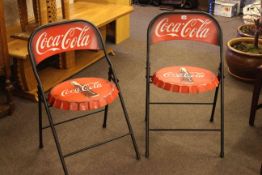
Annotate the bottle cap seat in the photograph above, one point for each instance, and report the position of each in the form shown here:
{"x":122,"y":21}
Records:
{"x":185,"y":79}
{"x":82,"y":94}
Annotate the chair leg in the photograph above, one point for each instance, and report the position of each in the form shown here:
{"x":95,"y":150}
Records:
{"x":40,"y":121}
{"x":214,"y":105}
{"x":147,"y":122}
{"x":106,"y":108}
{"x":129,"y":126}
{"x":147,"y":132}
{"x":105,"y":117}
{"x":254,"y":102}
{"x":58,"y":146}
{"x":222,"y":118}
{"x":261,"y":169}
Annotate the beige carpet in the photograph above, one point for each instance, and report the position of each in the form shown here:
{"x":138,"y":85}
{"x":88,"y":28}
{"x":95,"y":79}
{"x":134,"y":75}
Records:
{"x":177,"y":153}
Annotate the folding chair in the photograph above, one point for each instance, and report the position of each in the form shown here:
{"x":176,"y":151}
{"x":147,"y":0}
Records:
{"x":197,"y":27}
{"x":80,"y":94}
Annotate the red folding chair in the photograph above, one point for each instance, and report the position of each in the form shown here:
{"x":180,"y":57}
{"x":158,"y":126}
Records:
{"x":196,"y":27}
{"x":80,"y":94}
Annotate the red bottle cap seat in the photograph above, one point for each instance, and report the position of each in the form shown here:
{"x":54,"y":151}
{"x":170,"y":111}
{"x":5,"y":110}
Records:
{"x":185,"y":79}
{"x":83,"y":94}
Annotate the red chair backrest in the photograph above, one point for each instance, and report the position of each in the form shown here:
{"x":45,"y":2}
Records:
{"x":196,"y":26}
{"x":61,"y":37}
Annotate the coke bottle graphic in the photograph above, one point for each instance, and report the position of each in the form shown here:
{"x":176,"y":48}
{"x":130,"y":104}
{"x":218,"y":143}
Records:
{"x":186,"y":75}
{"x":84,"y":89}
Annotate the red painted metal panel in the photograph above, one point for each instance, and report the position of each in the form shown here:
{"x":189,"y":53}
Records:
{"x":60,"y":38}
{"x":83,"y":94}
{"x":185,"y":79}
{"x":196,"y":27}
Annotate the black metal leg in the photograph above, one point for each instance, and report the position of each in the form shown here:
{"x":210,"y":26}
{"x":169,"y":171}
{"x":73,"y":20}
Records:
{"x":147,"y":132}
{"x":129,"y":126}
{"x":59,"y":150}
{"x":222,"y":117}
{"x":40,"y":121}
{"x":147,"y":121}
{"x":254,"y":103}
{"x":261,"y":169}
{"x":214,"y":105}
{"x":105,"y":117}
{"x":110,"y":74}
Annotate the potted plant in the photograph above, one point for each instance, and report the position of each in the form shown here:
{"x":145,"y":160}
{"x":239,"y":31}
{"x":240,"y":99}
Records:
{"x":246,"y":30}
{"x":244,"y":54}
{"x":250,"y":12}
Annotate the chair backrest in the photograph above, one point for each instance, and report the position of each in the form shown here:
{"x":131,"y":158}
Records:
{"x":60,"y":37}
{"x":196,"y":26}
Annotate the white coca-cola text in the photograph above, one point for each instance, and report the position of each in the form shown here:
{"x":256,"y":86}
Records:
{"x":193,"y":28}
{"x":183,"y":75}
{"x":70,"y":39}
{"x":83,"y":88}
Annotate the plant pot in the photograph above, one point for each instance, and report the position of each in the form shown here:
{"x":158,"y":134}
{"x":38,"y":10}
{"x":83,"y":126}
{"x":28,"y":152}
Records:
{"x":242,"y":65}
{"x":241,"y":32}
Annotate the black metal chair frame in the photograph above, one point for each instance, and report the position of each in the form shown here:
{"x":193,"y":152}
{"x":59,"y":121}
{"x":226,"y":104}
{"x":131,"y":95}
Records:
{"x":261,"y":169}
{"x":42,"y":99}
{"x":255,"y":97}
{"x":220,"y":76}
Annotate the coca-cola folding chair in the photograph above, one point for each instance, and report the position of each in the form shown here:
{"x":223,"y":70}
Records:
{"x":79,"y":94}
{"x":196,"y":27}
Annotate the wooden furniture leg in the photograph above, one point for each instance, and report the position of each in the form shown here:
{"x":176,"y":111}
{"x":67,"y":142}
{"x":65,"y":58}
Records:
{"x":43,"y":12}
{"x":22,"y":9}
{"x":51,"y":11}
{"x":65,"y":9}
{"x":36,"y":11}
{"x":7,"y":107}
{"x":23,"y":14}
{"x":122,"y":29}
{"x":119,"y":30}
{"x":255,"y":97}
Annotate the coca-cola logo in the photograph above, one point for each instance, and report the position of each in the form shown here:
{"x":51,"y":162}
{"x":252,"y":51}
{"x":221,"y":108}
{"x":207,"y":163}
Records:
{"x":183,"y":75}
{"x":195,"y":27}
{"x":74,"y":37}
{"x":87,"y":89}
{"x":192,"y":28}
